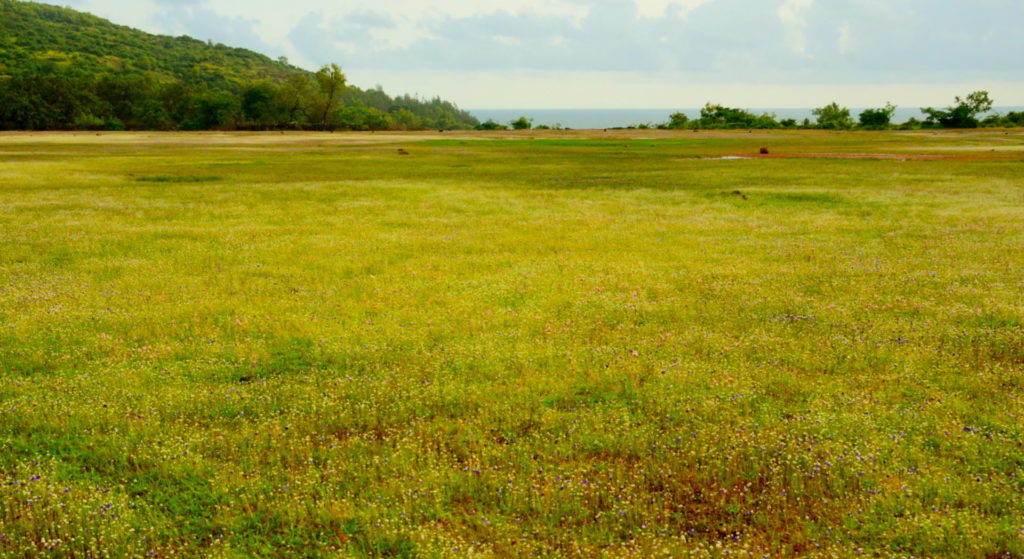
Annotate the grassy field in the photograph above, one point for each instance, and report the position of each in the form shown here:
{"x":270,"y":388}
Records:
{"x":560,"y":344}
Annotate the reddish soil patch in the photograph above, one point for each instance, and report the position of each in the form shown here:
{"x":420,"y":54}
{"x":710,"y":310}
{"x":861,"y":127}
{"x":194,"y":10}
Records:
{"x":896,"y":156}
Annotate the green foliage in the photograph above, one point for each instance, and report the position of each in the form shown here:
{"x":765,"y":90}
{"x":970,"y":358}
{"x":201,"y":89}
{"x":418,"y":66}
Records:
{"x":962,"y":114}
{"x":361,"y":118}
{"x":521,"y":123}
{"x":260,"y":107}
{"x":491,"y":125}
{"x":62,"y":69}
{"x":39,"y":39}
{"x":911,"y":124}
{"x":330,"y":85}
{"x":718,"y":116}
{"x":833,"y":117}
{"x":212,"y":111}
{"x":877,"y":119}
{"x":677,"y":121}
{"x":1011,"y":119}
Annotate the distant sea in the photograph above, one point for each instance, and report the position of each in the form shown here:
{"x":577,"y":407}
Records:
{"x":612,"y":118}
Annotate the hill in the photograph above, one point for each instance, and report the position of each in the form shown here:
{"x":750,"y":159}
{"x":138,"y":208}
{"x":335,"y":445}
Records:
{"x":40,"y":39}
{"x":61,"y":68}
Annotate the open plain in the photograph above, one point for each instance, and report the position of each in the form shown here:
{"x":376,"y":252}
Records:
{"x":521,"y":344}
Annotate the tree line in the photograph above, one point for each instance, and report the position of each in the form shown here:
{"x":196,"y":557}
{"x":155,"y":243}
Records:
{"x":300,"y":101}
{"x":965,"y":112}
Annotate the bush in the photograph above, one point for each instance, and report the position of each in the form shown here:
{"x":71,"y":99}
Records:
{"x":113,"y":124}
{"x":718,"y":116}
{"x":359,"y":118}
{"x":1010,"y":120}
{"x":963,"y":114}
{"x":878,"y":119}
{"x":522,"y":123}
{"x":833,"y":117}
{"x":88,"y":122}
{"x":677,"y":121}
{"x":912,"y":124}
{"x":491,"y":125}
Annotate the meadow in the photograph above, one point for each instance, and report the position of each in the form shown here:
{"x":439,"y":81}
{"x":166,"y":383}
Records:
{"x":532,"y":344}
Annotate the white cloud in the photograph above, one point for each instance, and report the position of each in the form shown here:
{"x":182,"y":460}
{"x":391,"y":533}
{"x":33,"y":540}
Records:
{"x":793,"y":15}
{"x":844,"y":42}
{"x":657,"y":8}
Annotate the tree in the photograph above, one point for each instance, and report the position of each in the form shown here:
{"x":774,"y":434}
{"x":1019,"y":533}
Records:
{"x":833,"y":117}
{"x":43,"y":102}
{"x":124,"y":96}
{"x":491,"y":125}
{"x":718,"y":116}
{"x":521,"y":123}
{"x":360,"y":118}
{"x":677,"y":121}
{"x":963,"y":114}
{"x":330,"y":81}
{"x":212,"y":110}
{"x":152,"y":115}
{"x":877,"y":119}
{"x":294,"y":100}
{"x":406,"y":119}
{"x":258,"y":107}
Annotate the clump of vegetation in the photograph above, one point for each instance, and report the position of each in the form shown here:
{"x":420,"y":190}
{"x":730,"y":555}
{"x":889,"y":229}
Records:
{"x":962,"y":114}
{"x":1012,"y":119}
{"x":521,"y":123}
{"x":718,"y":116}
{"x":677,"y":121}
{"x":833,"y":117}
{"x":877,"y":119}
{"x":491,"y":125}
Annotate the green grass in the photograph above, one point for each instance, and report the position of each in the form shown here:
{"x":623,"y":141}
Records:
{"x":576,"y":345}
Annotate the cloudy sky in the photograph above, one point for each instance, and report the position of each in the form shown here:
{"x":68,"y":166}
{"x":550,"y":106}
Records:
{"x":625,"y":53}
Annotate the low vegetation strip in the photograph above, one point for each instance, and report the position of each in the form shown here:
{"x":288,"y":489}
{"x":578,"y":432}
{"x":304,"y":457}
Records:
{"x":509,"y":345}
{"x":897,"y":156}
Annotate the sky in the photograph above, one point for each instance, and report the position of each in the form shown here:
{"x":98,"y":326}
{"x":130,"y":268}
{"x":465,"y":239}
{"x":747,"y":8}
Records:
{"x":625,"y":53}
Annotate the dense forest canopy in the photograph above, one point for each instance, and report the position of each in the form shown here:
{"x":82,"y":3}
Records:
{"x":62,"y":69}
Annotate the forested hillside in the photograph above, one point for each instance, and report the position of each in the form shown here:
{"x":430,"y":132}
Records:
{"x":63,"y":69}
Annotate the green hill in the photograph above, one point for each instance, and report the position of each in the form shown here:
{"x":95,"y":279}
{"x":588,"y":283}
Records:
{"x":60,"y":68}
{"x":41,"y":39}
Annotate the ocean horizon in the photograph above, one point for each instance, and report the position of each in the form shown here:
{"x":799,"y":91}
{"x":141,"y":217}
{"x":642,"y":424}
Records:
{"x":615,"y":118}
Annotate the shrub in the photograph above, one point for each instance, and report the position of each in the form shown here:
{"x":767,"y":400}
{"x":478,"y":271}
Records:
{"x":88,"y":122}
{"x":718,"y":116}
{"x":522,"y":123}
{"x":677,"y":121}
{"x":491,"y":125}
{"x":963,"y":114}
{"x":877,"y":119}
{"x":833,"y":117}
